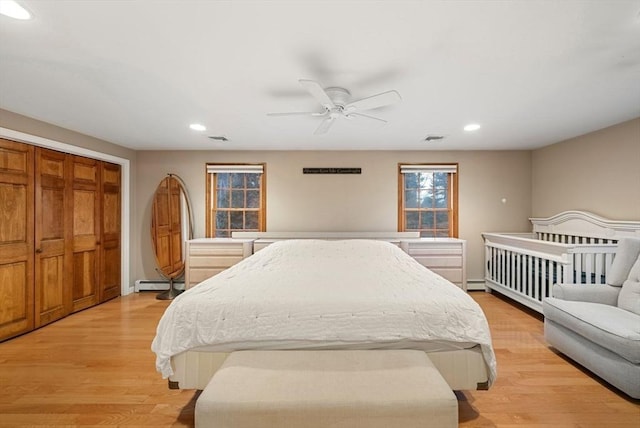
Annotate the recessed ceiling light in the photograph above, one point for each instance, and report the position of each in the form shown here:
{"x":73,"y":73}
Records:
{"x":197,"y":127}
{"x":472,"y":127}
{"x":13,"y":10}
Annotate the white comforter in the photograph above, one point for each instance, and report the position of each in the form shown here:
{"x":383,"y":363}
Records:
{"x":301,"y":294}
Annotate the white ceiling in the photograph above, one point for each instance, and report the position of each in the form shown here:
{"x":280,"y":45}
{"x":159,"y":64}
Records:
{"x":137,"y":73}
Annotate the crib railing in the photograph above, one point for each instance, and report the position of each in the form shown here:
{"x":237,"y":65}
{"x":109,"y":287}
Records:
{"x":525,"y":268}
{"x":564,"y":238}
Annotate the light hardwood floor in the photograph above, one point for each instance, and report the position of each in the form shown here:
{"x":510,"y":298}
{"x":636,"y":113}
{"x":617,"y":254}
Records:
{"x":96,"y":368}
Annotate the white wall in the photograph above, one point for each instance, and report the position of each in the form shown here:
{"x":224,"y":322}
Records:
{"x":597,"y":172}
{"x":366,"y":202}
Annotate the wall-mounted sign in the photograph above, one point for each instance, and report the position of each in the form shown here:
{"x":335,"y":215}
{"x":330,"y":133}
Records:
{"x":331,"y":170}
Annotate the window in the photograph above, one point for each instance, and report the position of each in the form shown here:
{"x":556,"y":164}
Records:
{"x":235,"y":199}
{"x":428,"y":200}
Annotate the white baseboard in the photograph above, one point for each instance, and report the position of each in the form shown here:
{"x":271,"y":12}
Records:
{"x":156,"y":285}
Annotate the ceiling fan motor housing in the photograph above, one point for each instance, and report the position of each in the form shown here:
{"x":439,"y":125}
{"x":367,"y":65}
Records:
{"x":339,"y":96}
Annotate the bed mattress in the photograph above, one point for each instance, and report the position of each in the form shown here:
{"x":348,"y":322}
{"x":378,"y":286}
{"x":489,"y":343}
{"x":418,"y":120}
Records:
{"x":310,"y":294}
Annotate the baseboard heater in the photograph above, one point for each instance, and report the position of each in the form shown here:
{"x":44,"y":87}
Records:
{"x":475,"y":285}
{"x":156,"y":285}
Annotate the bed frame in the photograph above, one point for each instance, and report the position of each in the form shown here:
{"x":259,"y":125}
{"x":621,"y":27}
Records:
{"x":571,"y":247}
{"x":463,"y":369}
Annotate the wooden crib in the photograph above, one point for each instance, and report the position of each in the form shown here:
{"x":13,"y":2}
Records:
{"x":571,"y":247}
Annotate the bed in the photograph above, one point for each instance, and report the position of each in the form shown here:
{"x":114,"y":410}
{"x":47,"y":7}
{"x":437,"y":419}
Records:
{"x":571,"y":247}
{"x":321,"y":294}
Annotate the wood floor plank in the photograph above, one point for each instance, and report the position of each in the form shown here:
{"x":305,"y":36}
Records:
{"x":95,"y":368}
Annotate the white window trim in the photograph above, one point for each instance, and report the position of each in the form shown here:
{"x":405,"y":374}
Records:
{"x":409,"y":169}
{"x":244,"y":169}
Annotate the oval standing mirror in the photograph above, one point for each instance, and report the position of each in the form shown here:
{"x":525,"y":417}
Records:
{"x":171,"y":226}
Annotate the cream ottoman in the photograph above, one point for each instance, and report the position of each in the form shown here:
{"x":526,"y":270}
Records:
{"x":373,"y":388}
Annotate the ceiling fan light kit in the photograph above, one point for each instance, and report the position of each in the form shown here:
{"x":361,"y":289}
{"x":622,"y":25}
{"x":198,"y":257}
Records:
{"x":337,"y":104}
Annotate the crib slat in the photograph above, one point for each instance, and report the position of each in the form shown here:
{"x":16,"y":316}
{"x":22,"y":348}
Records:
{"x":599,"y":268}
{"x":519,"y":272}
{"x":588,"y":268}
{"x":577,"y":267}
{"x":544,"y":279}
{"x":529,"y":275}
{"x":512,"y":269}
{"x":502,"y":267}
{"x":536,"y":278}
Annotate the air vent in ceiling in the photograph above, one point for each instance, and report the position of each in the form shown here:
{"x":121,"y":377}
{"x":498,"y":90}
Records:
{"x":434,"y":138}
{"x":218,"y":137}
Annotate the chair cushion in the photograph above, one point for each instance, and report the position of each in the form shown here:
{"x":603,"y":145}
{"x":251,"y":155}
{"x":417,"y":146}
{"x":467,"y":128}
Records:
{"x":626,"y":255}
{"x":608,"y":326}
{"x":629,"y":297}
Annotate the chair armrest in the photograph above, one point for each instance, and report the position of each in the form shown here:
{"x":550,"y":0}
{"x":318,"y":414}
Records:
{"x":594,"y":293}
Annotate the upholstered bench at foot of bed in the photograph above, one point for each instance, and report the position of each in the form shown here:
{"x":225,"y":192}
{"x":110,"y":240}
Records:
{"x":372,"y":388}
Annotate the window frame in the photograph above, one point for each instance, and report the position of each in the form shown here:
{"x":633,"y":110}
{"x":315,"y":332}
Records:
{"x":211,"y":195}
{"x":452,"y":189}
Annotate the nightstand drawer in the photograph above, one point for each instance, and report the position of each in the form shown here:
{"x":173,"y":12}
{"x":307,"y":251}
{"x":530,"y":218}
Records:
{"x":207,"y":257}
{"x":213,"y":261}
{"x":453,"y":275}
{"x":439,"y":261}
{"x":196,"y":276}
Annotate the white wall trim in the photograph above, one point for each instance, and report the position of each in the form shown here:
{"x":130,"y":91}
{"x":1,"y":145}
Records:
{"x":126,"y":174}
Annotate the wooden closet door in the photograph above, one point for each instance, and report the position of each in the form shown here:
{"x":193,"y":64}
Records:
{"x":16,"y":238}
{"x":110,"y":232}
{"x":86,"y":232}
{"x":53,"y":223}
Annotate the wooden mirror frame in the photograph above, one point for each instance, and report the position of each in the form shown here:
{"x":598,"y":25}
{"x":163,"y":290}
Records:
{"x":170,"y":209}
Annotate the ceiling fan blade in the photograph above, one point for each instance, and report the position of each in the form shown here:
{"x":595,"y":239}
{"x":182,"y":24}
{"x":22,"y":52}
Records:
{"x":318,"y":93}
{"x":365,"y":118}
{"x":375,"y":101}
{"x":297,"y":113}
{"x":325,"y":125}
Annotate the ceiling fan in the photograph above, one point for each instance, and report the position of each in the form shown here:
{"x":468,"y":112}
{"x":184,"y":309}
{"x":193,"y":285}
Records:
{"x":336,"y":104}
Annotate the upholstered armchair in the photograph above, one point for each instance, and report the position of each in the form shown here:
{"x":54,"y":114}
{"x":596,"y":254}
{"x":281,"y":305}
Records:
{"x":598,"y":326}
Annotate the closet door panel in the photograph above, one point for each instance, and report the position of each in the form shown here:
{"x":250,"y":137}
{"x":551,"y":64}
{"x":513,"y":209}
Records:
{"x":53,"y":268}
{"x":86,"y":232}
{"x":110,"y":254}
{"x":16,"y":238}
